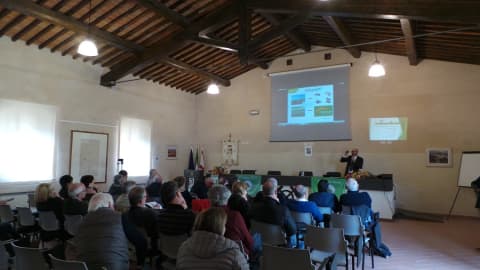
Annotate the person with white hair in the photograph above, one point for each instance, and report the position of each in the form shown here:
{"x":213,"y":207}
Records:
{"x":353,"y":197}
{"x":101,"y":240}
{"x":75,"y":204}
{"x":302,"y":205}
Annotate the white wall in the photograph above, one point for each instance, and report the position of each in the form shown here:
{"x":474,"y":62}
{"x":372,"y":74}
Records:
{"x":29,"y":74}
{"x":440,"y":100}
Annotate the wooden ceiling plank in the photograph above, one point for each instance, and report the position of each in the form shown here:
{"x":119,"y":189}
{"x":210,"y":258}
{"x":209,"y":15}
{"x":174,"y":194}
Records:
{"x":164,"y":11}
{"x":12,"y":23}
{"x":170,"y":45}
{"x":344,"y":34}
{"x":31,"y":9}
{"x":35,"y":22}
{"x":295,"y":36}
{"x":442,"y":11}
{"x":215,"y":43}
{"x":407,"y":29}
{"x":244,"y":33}
{"x":196,"y":71}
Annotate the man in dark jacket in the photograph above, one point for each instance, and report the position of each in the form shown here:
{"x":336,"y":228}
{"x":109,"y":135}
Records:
{"x":354,"y":161}
{"x":476,"y":187}
{"x":75,"y":205}
{"x":101,"y":240}
{"x":267,"y":209}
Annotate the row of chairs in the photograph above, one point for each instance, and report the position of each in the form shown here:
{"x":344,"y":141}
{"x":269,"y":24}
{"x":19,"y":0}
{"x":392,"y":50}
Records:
{"x":277,"y":173}
{"x":327,"y":245}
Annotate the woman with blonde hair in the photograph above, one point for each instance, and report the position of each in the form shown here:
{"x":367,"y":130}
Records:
{"x":46,"y":199}
{"x":208,"y":248}
{"x":239,"y":200}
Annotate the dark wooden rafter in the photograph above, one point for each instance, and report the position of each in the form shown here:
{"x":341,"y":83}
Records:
{"x":244,"y":33}
{"x":215,"y":43}
{"x":407,"y":30}
{"x":162,"y":50}
{"x":440,"y":11}
{"x":164,"y":11}
{"x":55,"y":18}
{"x":344,"y":34}
{"x":279,"y":30}
{"x":35,"y":22}
{"x":295,"y":36}
{"x":12,"y":23}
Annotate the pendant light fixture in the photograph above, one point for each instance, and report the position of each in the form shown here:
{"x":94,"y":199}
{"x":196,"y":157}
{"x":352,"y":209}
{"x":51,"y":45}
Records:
{"x":213,"y":89}
{"x":87,"y":47}
{"x":376,"y":69}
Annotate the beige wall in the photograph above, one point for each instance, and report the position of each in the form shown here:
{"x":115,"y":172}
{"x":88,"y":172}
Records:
{"x":440,"y":100}
{"x":33,"y":75}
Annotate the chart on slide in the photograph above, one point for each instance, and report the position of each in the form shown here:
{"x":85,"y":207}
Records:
{"x":310,"y":105}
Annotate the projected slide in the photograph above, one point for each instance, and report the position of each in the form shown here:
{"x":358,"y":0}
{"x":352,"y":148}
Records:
{"x":388,"y":129}
{"x":310,"y":105}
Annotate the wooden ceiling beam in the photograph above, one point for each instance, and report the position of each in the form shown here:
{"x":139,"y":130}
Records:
{"x":164,"y":11}
{"x":169,"y":45}
{"x":279,"y":30}
{"x":407,"y":29}
{"x":35,"y":22}
{"x":441,"y":11}
{"x":12,"y":23}
{"x":244,"y":34}
{"x":344,"y":34}
{"x":195,"y":71}
{"x":29,"y":8}
{"x":215,"y":43}
{"x":295,"y":36}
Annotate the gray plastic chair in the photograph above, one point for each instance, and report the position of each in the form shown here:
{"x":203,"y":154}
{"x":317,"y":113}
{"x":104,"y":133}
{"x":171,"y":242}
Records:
{"x":29,"y":258}
{"x":352,"y":227}
{"x":6,"y":214}
{"x":271,"y":234}
{"x":169,"y":246}
{"x":327,"y":244}
{"x":31,"y":200}
{"x":48,"y":221}
{"x":67,"y":265}
{"x":303,"y":217}
{"x":325,"y":210}
{"x":26,"y":222}
{"x":72,"y":223}
{"x":280,"y":258}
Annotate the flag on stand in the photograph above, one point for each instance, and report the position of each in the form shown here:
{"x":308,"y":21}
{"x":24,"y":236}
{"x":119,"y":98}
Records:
{"x":197,"y":158}
{"x":191,"y":162}
{"x":201,"y":162}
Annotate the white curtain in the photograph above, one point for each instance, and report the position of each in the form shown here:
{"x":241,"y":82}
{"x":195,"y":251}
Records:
{"x":135,"y":136}
{"x":27,"y":141}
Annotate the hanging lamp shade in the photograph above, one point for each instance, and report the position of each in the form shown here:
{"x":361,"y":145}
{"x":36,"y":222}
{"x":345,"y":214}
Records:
{"x":376,"y":70}
{"x":87,"y":48}
{"x":213,"y":89}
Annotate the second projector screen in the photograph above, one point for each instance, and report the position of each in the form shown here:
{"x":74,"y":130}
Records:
{"x":311,"y":105}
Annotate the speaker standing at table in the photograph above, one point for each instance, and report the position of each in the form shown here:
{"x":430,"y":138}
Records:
{"x":476,"y":187}
{"x":354,"y":161}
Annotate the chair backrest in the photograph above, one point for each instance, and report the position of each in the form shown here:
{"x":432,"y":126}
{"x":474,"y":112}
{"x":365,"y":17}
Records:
{"x":67,"y":265}
{"x":351,"y":224}
{"x":302,"y":217}
{"x":169,"y":244}
{"x":31,"y":200}
{"x":364,"y":212}
{"x":25,"y":216}
{"x":326,"y":239}
{"x":271,"y":234}
{"x":280,"y":258}
{"x":72,"y":223}
{"x":29,"y":258}
{"x":325,"y":210}
{"x":346,"y":210}
{"x":248,"y":171}
{"x":274,"y":173}
{"x":48,"y":221}
{"x":6,"y":214}
{"x":235,"y":172}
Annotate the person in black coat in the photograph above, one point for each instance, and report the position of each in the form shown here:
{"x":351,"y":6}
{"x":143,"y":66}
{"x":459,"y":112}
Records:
{"x":238,"y":201}
{"x":354,"y":161}
{"x":476,"y":187}
{"x":65,"y":182}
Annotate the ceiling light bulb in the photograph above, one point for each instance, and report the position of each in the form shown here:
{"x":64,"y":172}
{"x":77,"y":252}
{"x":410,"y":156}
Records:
{"x":213,"y":89}
{"x":376,"y":70}
{"x":87,"y":48}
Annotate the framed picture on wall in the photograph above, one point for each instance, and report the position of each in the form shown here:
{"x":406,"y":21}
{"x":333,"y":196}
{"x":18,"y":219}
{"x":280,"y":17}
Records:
{"x":89,"y":155}
{"x":171,"y":152}
{"x":439,"y":157}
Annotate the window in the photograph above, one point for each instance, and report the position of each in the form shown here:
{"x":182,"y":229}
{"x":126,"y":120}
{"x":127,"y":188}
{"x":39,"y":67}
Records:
{"x":27,"y":141}
{"x":135,"y":135}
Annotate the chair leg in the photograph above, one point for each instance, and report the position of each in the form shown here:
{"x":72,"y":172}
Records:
{"x":371,"y":256}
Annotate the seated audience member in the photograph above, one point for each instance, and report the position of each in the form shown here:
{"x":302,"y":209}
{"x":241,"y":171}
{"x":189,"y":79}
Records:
{"x":182,"y":186}
{"x":65,"y":182}
{"x":153,"y":189}
{"x":152,"y":176}
{"x":239,"y":201}
{"x":122,"y":204}
{"x":75,"y":204}
{"x":324,"y":198}
{"x":175,"y":218}
{"x":144,"y":220}
{"x":353,"y":197}
{"x":267,"y":208}
{"x":46,"y":199}
{"x":236,"y":229}
{"x":101,"y":239}
{"x":118,"y":186}
{"x":7,"y":233}
{"x":124,"y":174}
{"x":87,"y":181}
{"x":302,"y":205}
{"x":201,"y":186}
{"x":208,"y":248}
